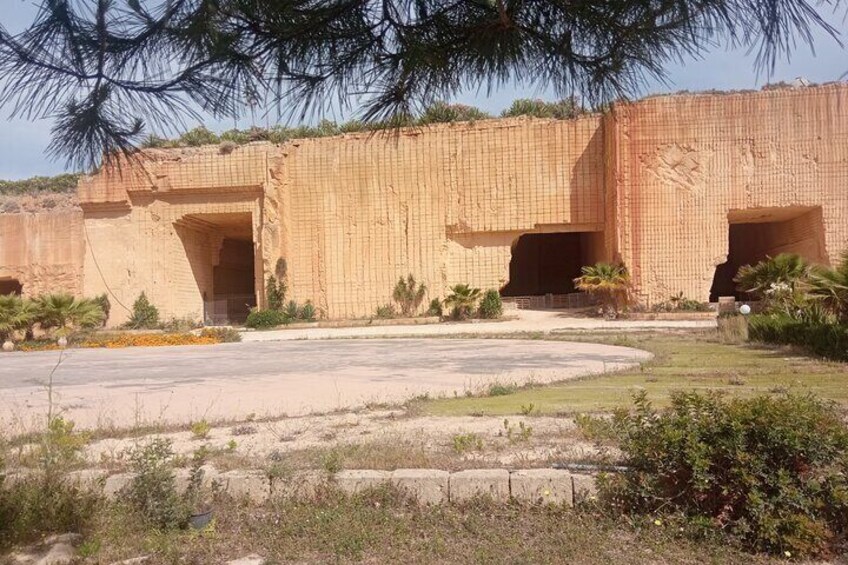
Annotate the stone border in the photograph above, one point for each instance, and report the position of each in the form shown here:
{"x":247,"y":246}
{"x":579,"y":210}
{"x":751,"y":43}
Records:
{"x":427,"y":486}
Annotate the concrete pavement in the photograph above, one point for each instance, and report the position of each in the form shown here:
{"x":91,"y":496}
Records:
{"x":527,"y":321}
{"x":127,"y":387}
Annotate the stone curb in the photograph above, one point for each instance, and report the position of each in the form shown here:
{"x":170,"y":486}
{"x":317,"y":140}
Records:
{"x":426,"y":486}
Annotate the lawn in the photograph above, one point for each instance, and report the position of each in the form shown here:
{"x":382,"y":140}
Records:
{"x":681,"y":362}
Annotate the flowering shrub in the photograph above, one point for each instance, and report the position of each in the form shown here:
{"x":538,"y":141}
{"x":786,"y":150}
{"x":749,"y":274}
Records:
{"x":149,"y":340}
{"x":769,"y":472}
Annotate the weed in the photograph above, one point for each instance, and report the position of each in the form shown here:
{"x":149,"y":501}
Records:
{"x":467,"y":442}
{"x":201,"y":429}
{"x":515,"y":434}
{"x":243,"y":430}
{"x":501,"y":390}
{"x":385,"y":312}
{"x":528,"y":409}
{"x":331,"y":461}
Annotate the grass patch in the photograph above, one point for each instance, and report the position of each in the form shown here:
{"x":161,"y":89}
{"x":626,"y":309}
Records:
{"x":682,"y":362}
{"x":380,"y":526}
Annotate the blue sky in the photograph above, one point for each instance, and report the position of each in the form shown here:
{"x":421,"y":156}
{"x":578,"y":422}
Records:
{"x":22,"y":143}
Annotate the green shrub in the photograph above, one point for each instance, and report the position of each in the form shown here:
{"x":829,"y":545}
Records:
{"x":66,"y":183}
{"x":307,"y":312}
{"x":385,"y":312}
{"x":264,"y":319}
{"x":152,"y":493}
{"x":462,"y":300}
{"x":145,"y":316}
{"x":102,"y":301}
{"x":814,"y":334}
{"x":291,"y":310}
{"x":198,"y":136}
{"x":560,"y":110}
{"x":770,"y":472}
{"x":435,"y":308}
{"x":491,"y":305}
{"x":408,"y":294}
{"x":442,"y":112}
{"x":275,"y":293}
{"x":224,"y":335}
{"x":42,"y":504}
{"x":680,"y":303}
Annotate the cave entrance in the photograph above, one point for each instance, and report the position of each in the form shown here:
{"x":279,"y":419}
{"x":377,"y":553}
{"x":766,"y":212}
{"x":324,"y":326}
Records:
{"x":221,"y":251}
{"x":547,"y":263}
{"x":10,"y":286}
{"x":765,"y":232}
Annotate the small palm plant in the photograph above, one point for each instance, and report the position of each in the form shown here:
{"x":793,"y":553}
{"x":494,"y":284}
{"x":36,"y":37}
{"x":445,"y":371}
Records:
{"x":609,"y":284}
{"x":829,"y":287}
{"x":16,"y":314}
{"x":776,"y":280}
{"x":462,"y":300}
{"x":65,"y":313}
{"x":409,"y":294}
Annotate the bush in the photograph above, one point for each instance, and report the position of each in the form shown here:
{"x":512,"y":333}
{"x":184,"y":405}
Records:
{"x":462,"y":300}
{"x":291,"y":310}
{"x":560,"y":110}
{"x":264,"y":319}
{"x":102,"y":301}
{"x":42,"y":504}
{"x":819,"y":337}
{"x":680,"y":303}
{"x":435,"y":308}
{"x":442,"y":112}
{"x":152,"y":493}
{"x":385,"y":312}
{"x":408,"y":294}
{"x":491,"y":305}
{"x":770,"y":472}
{"x":221,"y":335}
{"x":307,"y":312}
{"x":61,"y":184}
{"x":144,"y":315}
{"x":275,"y":293}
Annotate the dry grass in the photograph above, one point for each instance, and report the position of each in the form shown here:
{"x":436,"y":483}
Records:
{"x":382,"y":527}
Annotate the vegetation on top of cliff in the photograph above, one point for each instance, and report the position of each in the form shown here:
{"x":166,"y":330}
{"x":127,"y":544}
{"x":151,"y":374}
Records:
{"x":60,"y":184}
{"x":438,"y":113}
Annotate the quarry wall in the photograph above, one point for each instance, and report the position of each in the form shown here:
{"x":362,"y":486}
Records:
{"x":683,"y":189}
{"x":43,"y":252}
{"x":689,"y":166}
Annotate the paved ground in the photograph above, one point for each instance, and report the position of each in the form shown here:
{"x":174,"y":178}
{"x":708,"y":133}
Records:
{"x":545,"y":321}
{"x":99,"y":387}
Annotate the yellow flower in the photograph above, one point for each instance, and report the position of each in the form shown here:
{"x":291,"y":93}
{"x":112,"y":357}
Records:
{"x":787,"y":553}
{"x":658,"y":522}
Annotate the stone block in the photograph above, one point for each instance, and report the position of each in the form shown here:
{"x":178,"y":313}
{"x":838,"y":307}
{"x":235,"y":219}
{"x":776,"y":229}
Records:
{"x":541,"y":486}
{"x":584,"y":487}
{"x":491,"y":483}
{"x":427,"y":486}
{"x":355,"y":481}
{"x":251,"y":485}
{"x":300,"y":486}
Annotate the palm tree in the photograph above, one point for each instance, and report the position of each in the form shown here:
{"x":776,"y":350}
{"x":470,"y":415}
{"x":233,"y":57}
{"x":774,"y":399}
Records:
{"x":16,"y":314}
{"x":786,"y":269}
{"x":65,"y":312}
{"x":778,"y":281}
{"x":409,"y":295}
{"x":462,"y":300}
{"x":609,"y":284}
{"x":830,"y":287}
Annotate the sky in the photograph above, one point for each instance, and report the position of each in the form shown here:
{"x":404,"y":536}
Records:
{"x":23,"y":143}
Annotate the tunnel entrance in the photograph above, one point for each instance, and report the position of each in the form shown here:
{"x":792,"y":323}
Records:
{"x":765,"y":232}
{"x":10,"y":286}
{"x":548,"y":263}
{"x":221,"y":252}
